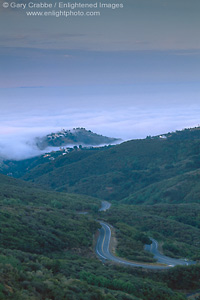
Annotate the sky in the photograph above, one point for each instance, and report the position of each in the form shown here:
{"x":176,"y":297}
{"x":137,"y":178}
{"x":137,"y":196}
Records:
{"x":128,"y":73}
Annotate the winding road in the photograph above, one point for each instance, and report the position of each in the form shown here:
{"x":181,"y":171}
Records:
{"x":103,"y":251}
{"x":105,"y":205}
{"x":153,"y":248}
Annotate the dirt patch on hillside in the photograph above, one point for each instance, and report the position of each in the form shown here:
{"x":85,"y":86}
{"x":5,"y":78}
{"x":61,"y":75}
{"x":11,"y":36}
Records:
{"x":113,"y":241}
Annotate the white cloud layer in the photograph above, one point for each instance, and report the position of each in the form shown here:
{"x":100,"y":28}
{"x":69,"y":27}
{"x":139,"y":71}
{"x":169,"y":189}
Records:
{"x":17,"y":132}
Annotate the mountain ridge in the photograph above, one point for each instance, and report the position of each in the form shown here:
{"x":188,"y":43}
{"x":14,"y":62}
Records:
{"x":122,"y":170}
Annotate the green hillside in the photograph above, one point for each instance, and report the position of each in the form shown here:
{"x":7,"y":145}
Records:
{"x":15,"y":191}
{"x":47,"y":245}
{"x":176,"y":227}
{"x":76,"y":136}
{"x":46,"y":162}
{"x":27,"y":212}
{"x":47,"y":252}
{"x":121,"y":171}
{"x":183,"y":188}
{"x":185,"y":134}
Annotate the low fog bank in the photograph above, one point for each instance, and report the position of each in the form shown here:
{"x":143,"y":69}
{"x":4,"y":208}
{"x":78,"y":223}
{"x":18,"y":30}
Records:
{"x":18,"y":132}
{"x":24,"y":147}
{"x":18,"y":148}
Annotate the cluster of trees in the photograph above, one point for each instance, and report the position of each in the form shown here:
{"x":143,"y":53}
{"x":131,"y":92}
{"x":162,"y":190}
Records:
{"x":64,"y":275}
{"x":43,"y":230}
{"x":143,"y":289}
{"x":130,"y":243}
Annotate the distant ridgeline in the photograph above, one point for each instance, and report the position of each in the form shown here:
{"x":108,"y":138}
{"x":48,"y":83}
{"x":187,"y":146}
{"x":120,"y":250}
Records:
{"x":150,"y":170}
{"x":75,"y":136}
{"x":185,"y":134}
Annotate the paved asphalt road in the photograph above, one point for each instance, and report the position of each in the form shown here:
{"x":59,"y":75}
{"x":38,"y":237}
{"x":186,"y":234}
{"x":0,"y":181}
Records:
{"x":103,"y":252}
{"x":105,"y":205}
{"x":153,"y":248}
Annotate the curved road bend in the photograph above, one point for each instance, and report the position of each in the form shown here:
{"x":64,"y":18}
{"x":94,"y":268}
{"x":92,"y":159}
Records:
{"x":105,"y":205}
{"x":103,"y":252}
{"x":153,"y":248}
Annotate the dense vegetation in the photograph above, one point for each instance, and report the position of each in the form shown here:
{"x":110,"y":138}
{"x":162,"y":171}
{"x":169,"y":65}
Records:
{"x":14,"y":191}
{"x":47,"y":250}
{"x":43,"y":230}
{"x":184,"y":188}
{"x":177,"y":227}
{"x":39,"y":221}
{"x":47,"y":162}
{"x":152,"y":170}
{"x":47,"y":244}
{"x":130,"y":243}
{"x":25,"y":276}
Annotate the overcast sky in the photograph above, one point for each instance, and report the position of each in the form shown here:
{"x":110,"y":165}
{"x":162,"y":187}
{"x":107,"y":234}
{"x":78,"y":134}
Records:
{"x":129,"y":73}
